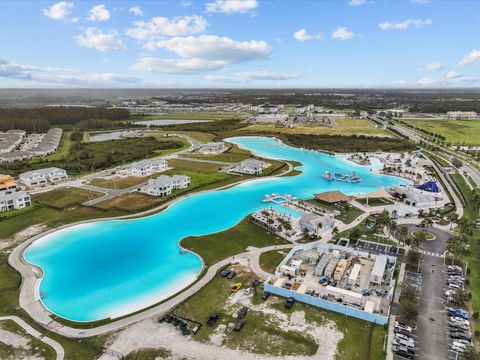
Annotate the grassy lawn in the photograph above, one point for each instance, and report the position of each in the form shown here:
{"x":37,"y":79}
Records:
{"x":233,"y":155}
{"x":473,"y":257}
{"x":366,"y":234}
{"x":348,"y":213}
{"x":149,"y":354}
{"x":375,"y":201}
{"x":457,"y":131}
{"x":119,"y":183}
{"x":65,"y":198}
{"x":270,"y":260}
{"x":197,"y":135}
{"x":428,"y":235}
{"x":35,"y":346}
{"x":167,"y":151}
{"x":215,"y":247}
{"x":51,"y":217}
{"x":442,"y":161}
{"x":131,"y":202}
{"x":346,"y":126}
{"x":184,"y":164}
{"x":200,"y":115}
{"x":63,"y":149}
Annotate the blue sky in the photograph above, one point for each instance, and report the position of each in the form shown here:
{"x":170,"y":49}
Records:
{"x":240,"y":43}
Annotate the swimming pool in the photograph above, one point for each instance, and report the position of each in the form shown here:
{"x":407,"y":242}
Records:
{"x":111,"y":268}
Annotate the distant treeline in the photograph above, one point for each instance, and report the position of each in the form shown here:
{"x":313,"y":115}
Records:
{"x":42,"y":118}
{"x":355,"y":143}
{"x":214,"y":127}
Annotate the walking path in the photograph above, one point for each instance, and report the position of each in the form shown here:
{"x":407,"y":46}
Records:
{"x":37,"y":334}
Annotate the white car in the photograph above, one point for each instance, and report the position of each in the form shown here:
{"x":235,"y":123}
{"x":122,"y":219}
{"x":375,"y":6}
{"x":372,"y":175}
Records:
{"x":459,"y":320}
{"x":459,"y":347}
{"x":462,"y":341}
{"x":403,"y":337}
{"x":454,"y":286}
{"x":249,"y":291}
{"x":403,"y":326}
{"x":449,"y":292}
{"x":399,"y":342}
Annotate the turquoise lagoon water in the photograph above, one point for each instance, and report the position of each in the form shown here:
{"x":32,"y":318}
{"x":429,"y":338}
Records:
{"x":111,"y":268}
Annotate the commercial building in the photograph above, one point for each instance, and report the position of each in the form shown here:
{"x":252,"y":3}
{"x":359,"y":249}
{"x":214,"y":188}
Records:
{"x":146,"y":167}
{"x":164,"y":185}
{"x":332,"y":197}
{"x":461,"y":114}
{"x":313,"y":224}
{"x":337,"y":278}
{"x":415,"y":197}
{"x":42,"y":177}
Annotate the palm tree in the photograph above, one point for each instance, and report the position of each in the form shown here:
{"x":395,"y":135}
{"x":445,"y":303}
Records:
{"x":403,"y":233}
{"x":453,"y":218}
{"x":476,"y":199}
{"x":335,"y":231}
{"x":428,"y":222}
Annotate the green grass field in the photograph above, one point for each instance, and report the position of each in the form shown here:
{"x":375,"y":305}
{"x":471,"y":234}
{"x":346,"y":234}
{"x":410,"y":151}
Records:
{"x":270,"y":260}
{"x":457,"y":131}
{"x":215,"y":247}
{"x":346,"y":127}
{"x":232,"y":155}
{"x":65,"y":198}
{"x":118,"y":183}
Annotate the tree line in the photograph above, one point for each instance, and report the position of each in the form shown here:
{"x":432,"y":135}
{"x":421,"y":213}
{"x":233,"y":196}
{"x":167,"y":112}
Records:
{"x":42,"y":118}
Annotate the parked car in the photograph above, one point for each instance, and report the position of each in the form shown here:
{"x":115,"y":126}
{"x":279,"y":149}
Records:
{"x":231,"y":275}
{"x":457,"y":310}
{"x":404,"y":326}
{"x":401,"y":331}
{"x":458,"y":313}
{"x":460,"y":335}
{"x":289,"y":303}
{"x":454,"y":286}
{"x":399,"y":342}
{"x":242,"y":313}
{"x":225,"y":272}
{"x":213,"y":318}
{"x":236,"y":287}
{"x":459,"y":347}
{"x":265,"y":295}
{"x":462,"y":341}
{"x":403,"y":337}
{"x":248,"y":291}
{"x":403,"y":351}
{"x":238,"y":325}
{"x":458,"y":320}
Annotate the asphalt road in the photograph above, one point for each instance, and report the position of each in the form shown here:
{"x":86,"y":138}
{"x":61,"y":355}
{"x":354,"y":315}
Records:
{"x":432,"y":329}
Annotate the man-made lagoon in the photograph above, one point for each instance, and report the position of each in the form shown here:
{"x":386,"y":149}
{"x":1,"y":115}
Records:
{"x":111,"y":268}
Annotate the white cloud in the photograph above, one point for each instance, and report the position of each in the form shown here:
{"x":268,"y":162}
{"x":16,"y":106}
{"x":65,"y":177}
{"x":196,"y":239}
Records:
{"x":342,"y":33}
{"x":103,"y":41}
{"x":302,"y":35}
{"x":231,"y":6}
{"x":58,"y":11}
{"x":356,"y":2}
{"x":176,"y":66}
{"x":222,"y":79}
{"x":453,"y":75}
{"x":158,"y":27}
{"x":471,"y":58}
{"x":403,"y":25}
{"x":428,"y":82}
{"x":186,"y":3}
{"x":71,"y":77}
{"x":421,"y":2}
{"x":436,"y":66}
{"x":214,"y":48}
{"x":136,"y":10}
{"x":268,"y":75}
{"x":99,"y":13}
{"x":202,"y":53}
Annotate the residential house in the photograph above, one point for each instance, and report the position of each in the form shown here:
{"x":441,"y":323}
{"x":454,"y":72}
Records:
{"x":14,"y":200}
{"x":249,"y":167}
{"x":42,"y":177}
{"x":164,"y":185}
{"x":314,"y":224}
{"x":146,"y":167}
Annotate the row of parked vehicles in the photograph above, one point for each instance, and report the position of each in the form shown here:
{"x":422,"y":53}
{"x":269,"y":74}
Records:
{"x":403,"y":344}
{"x":455,"y":280}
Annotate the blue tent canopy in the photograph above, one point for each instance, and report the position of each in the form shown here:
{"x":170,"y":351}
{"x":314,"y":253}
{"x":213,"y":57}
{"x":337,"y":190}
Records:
{"x":430,"y":186}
